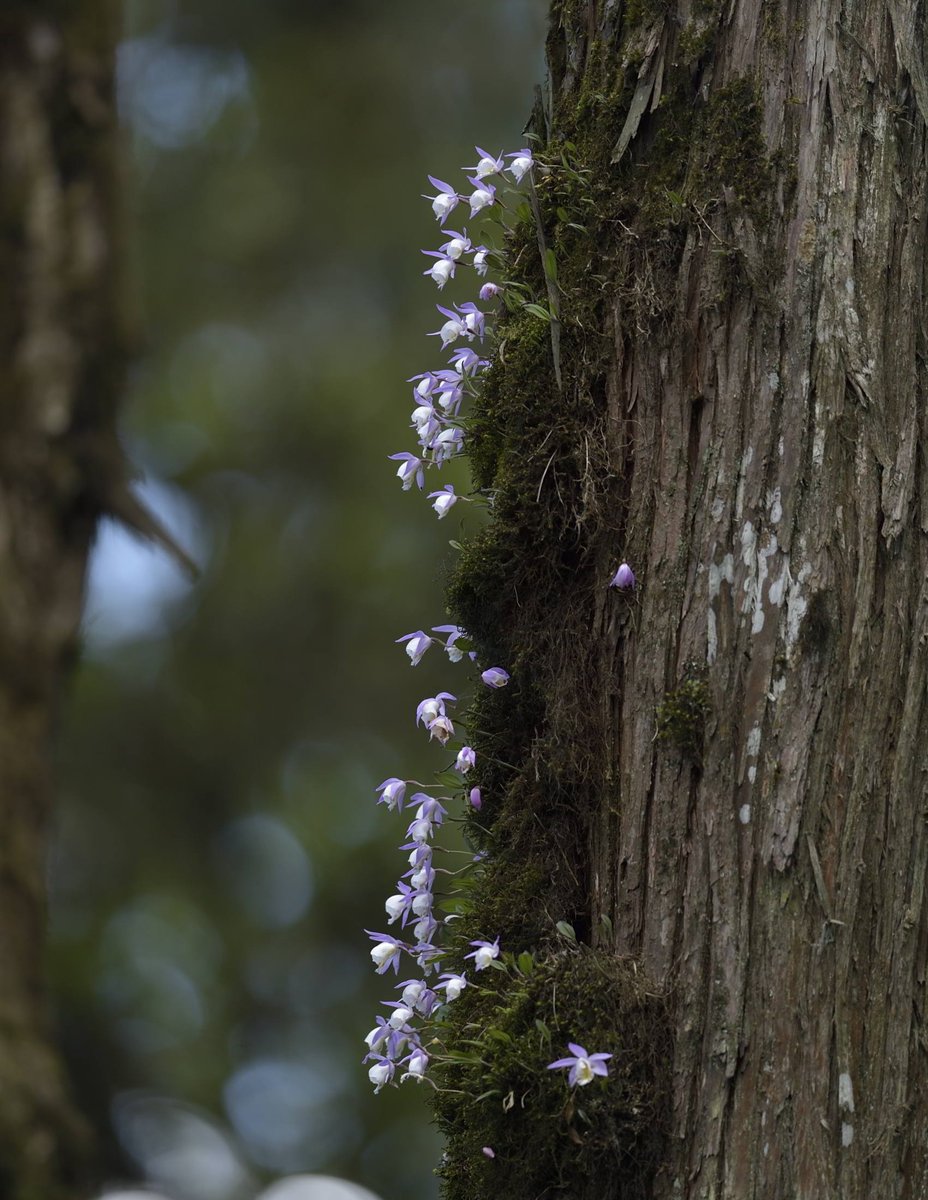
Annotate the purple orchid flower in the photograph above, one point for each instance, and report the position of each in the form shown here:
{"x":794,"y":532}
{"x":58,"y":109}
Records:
{"x":457,"y":245}
{"x":448,"y":444}
{"x":483,"y":195}
{"x":484,"y":954}
{"x":452,"y":329}
{"x":445,"y":202}
{"x":454,"y":652}
{"x":411,"y":468}
{"x":476,"y":799}
{"x":426,"y":382}
{"x":392,"y":791}
{"x":425,"y":929}
{"x":474,"y":319}
{"x":381,"y":1073}
{"x":426,"y":955}
{"x":453,"y":984}
{"x":417,"y":1064}
{"x":495,"y":677}
{"x":426,"y":422}
{"x":488,"y":165}
{"x":465,"y":760}
{"x":421,"y":876}
{"x":417,"y":643}
{"x":583,"y":1066}
{"x":386,"y":953}
{"x":441,"y":270}
{"x":398,"y":906}
{"x":522,"y":163}
{"x":432,"y":707}
{"x":481,"y":254}
{"x":451,"y":393}
{"x":465,"y":360}
{"x":624,"y":577}
{"x":488,"y":291}
{"x":445,"y":499}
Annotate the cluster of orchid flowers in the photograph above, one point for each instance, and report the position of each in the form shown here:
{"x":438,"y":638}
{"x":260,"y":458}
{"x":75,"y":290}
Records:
{"x":395,"y":1044}
{"x":439,"y":395}
{"x":395,"y":1041}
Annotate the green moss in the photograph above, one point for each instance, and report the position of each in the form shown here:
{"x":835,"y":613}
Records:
{"x":681,"y":715}
{"x":732,"y":153}
{"x":548,"y":1139}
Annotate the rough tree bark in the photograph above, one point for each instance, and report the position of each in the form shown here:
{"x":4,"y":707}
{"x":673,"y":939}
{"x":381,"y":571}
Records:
{"x":60,"y":368}
{"x":723,"y":780}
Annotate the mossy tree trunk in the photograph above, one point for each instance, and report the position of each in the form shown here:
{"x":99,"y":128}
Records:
{"x":60,"y":364}
{"x":721,"y":780}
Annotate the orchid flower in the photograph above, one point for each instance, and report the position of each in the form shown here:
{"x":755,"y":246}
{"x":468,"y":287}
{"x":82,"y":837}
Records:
{"x":447,"y":444}
{"x":416,"y":645}
{"x":480,"y":260}
{"x":483,"y":195}
{"x":445,"y":499}
{"x":476,"y":799}
{"x":454,"y":652}
{"x":457,"y":245}
{"x":484,"y":954}
{"x":583,"y":1066}
{"x":441,"y":270}
{"x":488,"y":165}
{"x":392,"y":791}
{"x":383,"y":1031}
{"x":522,"y":163}
{"x":474,"y":319}
{"x":441,"y":730}
{"x":418,"y":1062}
{"x":495,"y":677}
{"x":445,"y":202}
{"x":425,"y":384}
{"x":464,"y":360}
{"x":398,"y":906}
{"x":432,"y":707}
{"x":624,"y":577}
{"x":386,"y":953}
{"x":381,"y":1073}
{"x":411,"y":469}
{"x":452,"y":329}
{"x":453,"y":984}
{"x":465,"y":760}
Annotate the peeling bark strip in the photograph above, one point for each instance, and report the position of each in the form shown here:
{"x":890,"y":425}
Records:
{"x":744,"y":365}
{"x":60,"y":368}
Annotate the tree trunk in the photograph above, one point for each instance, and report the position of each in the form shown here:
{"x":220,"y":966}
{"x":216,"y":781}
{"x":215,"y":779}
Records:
{"x":60,"y":365}
{"x":719,"y":779}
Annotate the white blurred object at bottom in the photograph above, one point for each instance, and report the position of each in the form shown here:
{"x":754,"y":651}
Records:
{"x":315,"y":1187}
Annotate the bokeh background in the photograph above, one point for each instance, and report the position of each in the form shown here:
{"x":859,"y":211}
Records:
{"x":219,"y":851}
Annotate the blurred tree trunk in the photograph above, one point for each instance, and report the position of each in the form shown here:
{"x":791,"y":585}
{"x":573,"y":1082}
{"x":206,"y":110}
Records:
{"x":60,"y":364}
{"x":743,"y":742}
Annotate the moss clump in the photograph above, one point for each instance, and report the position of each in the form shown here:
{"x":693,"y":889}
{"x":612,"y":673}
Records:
{"x":604,"y":1139}
{"x":733,"y":153}
{"x":681,"y":715}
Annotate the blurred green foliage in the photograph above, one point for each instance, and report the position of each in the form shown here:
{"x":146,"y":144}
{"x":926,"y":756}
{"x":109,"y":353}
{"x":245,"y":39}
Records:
{"x":219,"y":851}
